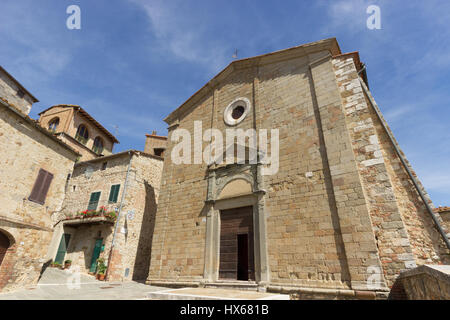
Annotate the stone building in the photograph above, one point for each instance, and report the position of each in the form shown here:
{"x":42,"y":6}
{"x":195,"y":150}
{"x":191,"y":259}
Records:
{"x":444,"y":212}
{"x":34,"y":166}
{"x":341,"y":217}
{"x":74,"y":126}
{"x":124,"y":185}
{"x":155,"y":144}
{"x":15,"y":93}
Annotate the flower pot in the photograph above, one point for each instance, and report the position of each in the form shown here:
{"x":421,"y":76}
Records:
{"x":101,"y":277}
{"x":67,"y":265}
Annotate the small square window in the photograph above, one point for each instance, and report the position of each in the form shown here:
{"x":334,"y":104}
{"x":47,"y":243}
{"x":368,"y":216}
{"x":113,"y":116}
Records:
{"x":20,"y":93}
{"x":104,"y":165}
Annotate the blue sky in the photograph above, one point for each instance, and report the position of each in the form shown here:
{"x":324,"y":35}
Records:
{"x":134,"y":61}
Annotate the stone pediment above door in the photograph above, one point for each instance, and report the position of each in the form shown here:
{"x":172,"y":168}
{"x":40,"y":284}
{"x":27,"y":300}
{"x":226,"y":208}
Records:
{"x":231,"y":181}
{"x":235,"y":188}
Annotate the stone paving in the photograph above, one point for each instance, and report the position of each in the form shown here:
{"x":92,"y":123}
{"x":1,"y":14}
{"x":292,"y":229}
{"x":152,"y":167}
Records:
{"x":56,"y":285}
{"x":213,"y":294}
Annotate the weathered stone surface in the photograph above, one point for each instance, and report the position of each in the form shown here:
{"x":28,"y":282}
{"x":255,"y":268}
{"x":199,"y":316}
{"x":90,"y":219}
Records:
{"x":427,"y":282}
{"x":12,"y":91}
{"x":339,"y":213}
{"x":70,"y":117}
{"x":138,"y":208}
{"x":155,"y":144}
{"x":24,"y":151}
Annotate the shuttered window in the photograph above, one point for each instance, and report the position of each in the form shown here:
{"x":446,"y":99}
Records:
{"x":93,"y":201}
{"x":114,"y":193}
{"x":41,"y":186}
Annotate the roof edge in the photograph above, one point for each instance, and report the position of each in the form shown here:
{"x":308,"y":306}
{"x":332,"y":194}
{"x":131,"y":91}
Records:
{"x":87,"y":115}
{"x":7,"y":105}
{"x":19,"y":84}
{"x":119,"y":154}
{"x":333,"y":44}
{"x":156,"y":136}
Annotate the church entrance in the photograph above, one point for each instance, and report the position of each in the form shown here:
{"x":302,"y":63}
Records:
{"x":236,"y":244}
{"x":4,"y":245}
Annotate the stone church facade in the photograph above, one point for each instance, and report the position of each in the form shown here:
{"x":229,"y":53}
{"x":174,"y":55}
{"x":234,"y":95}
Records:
{"x":340,"y":217}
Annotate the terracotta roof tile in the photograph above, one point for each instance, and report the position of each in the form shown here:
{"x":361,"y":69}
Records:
{"x":442,"y":209}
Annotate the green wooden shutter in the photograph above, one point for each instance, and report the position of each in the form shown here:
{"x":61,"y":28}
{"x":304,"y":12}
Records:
{"x":114,"y":193}
{"x":93,"y":201}
{"x":96,"y":254}
{"x":62,"y":249}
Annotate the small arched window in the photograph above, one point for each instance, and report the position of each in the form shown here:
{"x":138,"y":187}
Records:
{"x":82,"y":134}
{"x":98,"y":145}
{"x":52,"y":125}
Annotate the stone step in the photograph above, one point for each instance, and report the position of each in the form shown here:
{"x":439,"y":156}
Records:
{"x":213,"y":294}
{"x":237,"y":285}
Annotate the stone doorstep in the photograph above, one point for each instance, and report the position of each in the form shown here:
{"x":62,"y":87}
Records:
{"x":220,"y":284}
{"x":237,"y":285}
{"x":252,"y":286}
{"x":323,"y":293}
{"x":213,"y":294}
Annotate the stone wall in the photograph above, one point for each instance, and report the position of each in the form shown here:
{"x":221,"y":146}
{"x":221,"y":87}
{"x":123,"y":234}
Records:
{"x":338,"y":214}
{"x":179,"y":239}
{"x":82,"y":242}
{"x":427,"y":282}
{"x":25,"y":150}
{"x":403,"y":229}
{"x":69,"y":120}
{"x":153,"y":142}
{"x":132,"y":248}
{"x":9,"y":90}
{"x":304,"y":241}
{"x":444,"y":213}
{"x":305,"y":244}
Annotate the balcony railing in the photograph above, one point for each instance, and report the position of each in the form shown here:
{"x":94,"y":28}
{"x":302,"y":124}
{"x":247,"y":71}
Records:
{"x":110,"y":215}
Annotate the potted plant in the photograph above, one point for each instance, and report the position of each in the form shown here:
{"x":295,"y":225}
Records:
{"x":67,"y":264}
{"x":101,"y":269}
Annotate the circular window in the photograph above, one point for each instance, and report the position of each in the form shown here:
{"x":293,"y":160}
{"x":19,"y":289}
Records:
{"x":236,"y":111}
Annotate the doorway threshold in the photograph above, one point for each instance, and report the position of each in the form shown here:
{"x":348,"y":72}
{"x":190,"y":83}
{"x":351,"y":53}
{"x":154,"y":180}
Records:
{"x":233,"y":284}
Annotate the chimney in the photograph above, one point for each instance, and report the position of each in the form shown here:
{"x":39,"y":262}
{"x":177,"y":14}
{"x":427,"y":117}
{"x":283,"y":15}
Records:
{"x":155,"y":144}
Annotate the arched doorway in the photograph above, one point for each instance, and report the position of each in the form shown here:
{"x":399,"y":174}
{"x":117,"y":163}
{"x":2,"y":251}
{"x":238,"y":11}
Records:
{"x":4,"y":245}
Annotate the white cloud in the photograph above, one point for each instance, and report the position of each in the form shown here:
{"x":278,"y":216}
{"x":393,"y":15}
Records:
{"x":35,"y":50}
{"x":183,"y":35}
{"x":345,"y":14}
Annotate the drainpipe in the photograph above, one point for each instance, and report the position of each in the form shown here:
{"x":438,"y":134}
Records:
{"x":119,"y":215}
{"x":405,"y":165}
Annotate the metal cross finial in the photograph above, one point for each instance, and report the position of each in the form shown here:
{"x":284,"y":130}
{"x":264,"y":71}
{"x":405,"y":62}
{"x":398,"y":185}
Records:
{"x":235,"y":55}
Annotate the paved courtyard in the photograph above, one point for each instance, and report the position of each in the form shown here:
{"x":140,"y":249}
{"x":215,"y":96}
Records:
{"x":61,"y":285}
{"x":58,"y":284}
